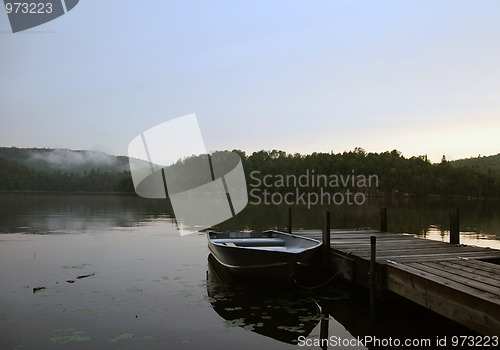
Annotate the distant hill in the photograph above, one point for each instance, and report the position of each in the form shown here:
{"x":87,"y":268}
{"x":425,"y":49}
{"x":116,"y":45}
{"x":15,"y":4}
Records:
{"x":65,"y":160}
{"x":485,"y":163}
{"x":35,"y":169}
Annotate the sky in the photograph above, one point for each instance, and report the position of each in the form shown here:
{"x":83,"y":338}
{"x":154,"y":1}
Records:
{"x":422,"y":77}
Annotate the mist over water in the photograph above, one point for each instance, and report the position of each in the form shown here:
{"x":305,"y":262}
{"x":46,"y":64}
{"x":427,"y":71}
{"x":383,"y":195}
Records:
{"x":67,"y":159}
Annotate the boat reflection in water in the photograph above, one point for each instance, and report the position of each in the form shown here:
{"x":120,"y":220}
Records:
{"x":282,"y":315}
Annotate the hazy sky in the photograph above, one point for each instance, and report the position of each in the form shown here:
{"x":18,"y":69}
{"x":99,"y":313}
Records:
{"x":422,"y":77}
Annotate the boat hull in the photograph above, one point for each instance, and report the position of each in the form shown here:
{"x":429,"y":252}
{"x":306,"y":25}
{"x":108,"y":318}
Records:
{"x":278,"y":277}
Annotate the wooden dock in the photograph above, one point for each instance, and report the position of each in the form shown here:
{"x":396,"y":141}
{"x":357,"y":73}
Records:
{"x":459,"y":282}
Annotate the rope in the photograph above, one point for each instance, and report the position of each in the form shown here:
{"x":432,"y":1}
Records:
{"x":324,"y":283}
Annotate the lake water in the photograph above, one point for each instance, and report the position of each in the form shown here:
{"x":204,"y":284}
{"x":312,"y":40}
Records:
{"x":117,"y":275}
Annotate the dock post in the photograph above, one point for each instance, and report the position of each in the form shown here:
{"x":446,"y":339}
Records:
{"x":373,"y":274}
{"x":383,"y":219}
{"x":290,"y":220}
{"x":326,"y":231}
{"x":454,"y":227}
{"x":325,"y":238}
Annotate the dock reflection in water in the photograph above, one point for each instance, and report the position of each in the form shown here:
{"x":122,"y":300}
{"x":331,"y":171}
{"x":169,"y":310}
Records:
{"x":283,"y":314}
{"x":337,"y":311}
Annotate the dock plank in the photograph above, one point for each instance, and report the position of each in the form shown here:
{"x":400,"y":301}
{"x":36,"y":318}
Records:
{"x":486,"y":266}
{"x":412,"y":271}
{"x":458,"y":276}
{"x":469,"y":267}
{"x":476,"y":309}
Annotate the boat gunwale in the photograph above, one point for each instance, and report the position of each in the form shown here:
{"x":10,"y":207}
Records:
{"x":263,"y":249}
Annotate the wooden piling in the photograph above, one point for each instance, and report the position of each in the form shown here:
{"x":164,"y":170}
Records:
{"x":290,"y":220}
{"x":454,"y":227}
{"x":373,"y":273}
{"x":383,"y":219}
{"x":326,"y":231}
{"x":326,"y":262}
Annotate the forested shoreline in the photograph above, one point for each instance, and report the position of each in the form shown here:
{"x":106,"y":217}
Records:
{"x":397,"y":175}
{"x":18,"y":177}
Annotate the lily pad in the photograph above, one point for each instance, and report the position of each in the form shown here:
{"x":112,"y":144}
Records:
{"x":75,"y":336}
{"x":120,"y":337}
{"x":296,"y":329}
{"x":236,"y":308}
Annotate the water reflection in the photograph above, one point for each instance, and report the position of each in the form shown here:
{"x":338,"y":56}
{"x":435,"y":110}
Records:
{"x":336,"y":314}
{"x":395,"y":318}
{"x":283,"y":316}
{"x":438,"y":233}
{"x":479,"y":218}
{"x":43,"y":213}
{"x":53,"y":213}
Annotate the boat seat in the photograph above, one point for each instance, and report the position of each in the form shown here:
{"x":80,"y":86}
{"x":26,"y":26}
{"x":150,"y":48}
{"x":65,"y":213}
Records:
{"x":252,"y":242}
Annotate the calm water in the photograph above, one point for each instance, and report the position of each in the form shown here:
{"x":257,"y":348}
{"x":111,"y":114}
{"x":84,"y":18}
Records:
{"x":119,"y":276}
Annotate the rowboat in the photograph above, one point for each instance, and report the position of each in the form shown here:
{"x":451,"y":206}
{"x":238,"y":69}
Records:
{"x":268,"y":256}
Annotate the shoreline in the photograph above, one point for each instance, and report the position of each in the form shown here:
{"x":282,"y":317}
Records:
{"x":368,"y":195}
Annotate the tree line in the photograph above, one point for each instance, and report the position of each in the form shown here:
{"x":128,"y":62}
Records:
{"x":18,"y":177}
{"x":396,"y":175}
